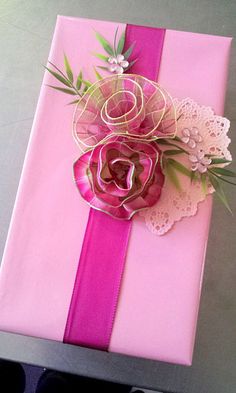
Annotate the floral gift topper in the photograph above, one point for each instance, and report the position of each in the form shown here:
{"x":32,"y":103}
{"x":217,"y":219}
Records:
{"x":142,"y":150}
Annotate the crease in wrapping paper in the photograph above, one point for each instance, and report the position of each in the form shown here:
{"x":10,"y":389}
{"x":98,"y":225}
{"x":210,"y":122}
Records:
{"x":159,"y":299}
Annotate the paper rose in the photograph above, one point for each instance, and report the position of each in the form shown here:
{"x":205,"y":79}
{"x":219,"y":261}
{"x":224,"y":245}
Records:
{"x":121,"y":176}
{"x":125,"y":105}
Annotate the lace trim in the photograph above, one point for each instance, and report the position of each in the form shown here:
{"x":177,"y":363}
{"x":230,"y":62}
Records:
{"x":173,"y":204}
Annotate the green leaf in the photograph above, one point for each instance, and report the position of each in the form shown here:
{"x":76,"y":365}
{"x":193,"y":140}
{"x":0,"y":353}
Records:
{"x":86,"y":83}
{"x":129,"y":51}
{"x":193,"y":176}
{"x":105,"y":44}
{"x":204,"y":183}
{"x":170,"y":172}
{"x":180,"y":167}
{"x":165,"y":142}
{"x":115,"y":37}
{"x":68,"y":69}
{"x":220,"y":177}
{"x":58,"y":69}
{"x":131,"y":64}
{"x":215,"y":183}
{"x":63,"y":90}
{"x":162,"y":142}
{"x":176,"y":138}
{"x":73,"y":102}
{"x":220,"y":161}
{"x":79,"y":80}
{"x":99,"y":76}
{"x":59,"y":77}
{"x":179,"y":117}
{"x":85,"y":89}
{"x":219,"y":191}
{"x":121,"y":43}
{"x":223,"y":172}
{"x":221,"y":195}
{"x":172,"y":152}
{"x":162,"y":161}
{"x":100,"y":56}
{"x":103,"y":68}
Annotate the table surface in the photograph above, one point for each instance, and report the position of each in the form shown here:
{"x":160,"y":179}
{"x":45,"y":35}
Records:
{"x":26,"y":29}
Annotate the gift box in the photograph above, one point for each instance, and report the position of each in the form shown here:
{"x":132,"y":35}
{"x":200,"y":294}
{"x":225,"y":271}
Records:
{"x":159,"y":286}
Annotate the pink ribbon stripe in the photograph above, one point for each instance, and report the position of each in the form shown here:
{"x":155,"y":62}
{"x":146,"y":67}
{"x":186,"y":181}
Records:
{"x":97,"y":284}
{"x":147,"y":50}
{"x":98,"y":280}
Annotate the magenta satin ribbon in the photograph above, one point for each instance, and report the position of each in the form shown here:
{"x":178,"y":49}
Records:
{"x":97,"y":284}
{"x":98,"y":280}
{"x":147,"y":50}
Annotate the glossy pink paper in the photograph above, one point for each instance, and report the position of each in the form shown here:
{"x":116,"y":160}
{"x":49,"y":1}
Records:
{"x":159,"y":298}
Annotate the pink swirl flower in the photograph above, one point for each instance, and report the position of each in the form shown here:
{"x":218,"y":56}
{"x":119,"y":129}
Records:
{"x":123,"y":104}
{"x":121,"y":176}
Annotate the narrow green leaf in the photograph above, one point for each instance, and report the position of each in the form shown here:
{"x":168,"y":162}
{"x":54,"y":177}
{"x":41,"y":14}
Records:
{"x":59,"y":77}
{"x":121,"y":44}
{"x":222,"y":197}
{"x":68,"y":69}
{"x":170,"y":172}
{"x":178,"y":147}
{"x":179,"y":117}
{"x":114,"y":44}
{"x":172,"y":152}
{"x":85,"y":89}
{"x":214,"y":181}
{"x":180,"y":167}
{"x":131,"y":64}
{"x":220,"y":177}
{"x":99,"y":76}
{"x":102,"y":68}
{"x":220,"y":161}
{"x":165,"y":142}
{"x":219,"y":191}
{"x":162,"y":161}
{"x":176,"y":138}
{"x":73,"y":102}
{"x":105,"y":44}
{"x":100,"y":56}
{"x":223,"y":172}
{"x":162,"y":142}
{"x":204,"y":183}
{"x":193,"y":176}
{"x":79,"y":80}
{"x":86,"y":83}
{"x":63,"y":90}
{"x":58,"y":69}
{"x":129,"y":51}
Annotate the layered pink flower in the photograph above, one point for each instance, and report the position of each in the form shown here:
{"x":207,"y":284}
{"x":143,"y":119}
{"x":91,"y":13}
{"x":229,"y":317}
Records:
{"x":123,"y":104}
{"x":121,"y":176}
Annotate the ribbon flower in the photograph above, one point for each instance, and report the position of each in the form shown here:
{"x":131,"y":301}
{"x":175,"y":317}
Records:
{"x":121,"y":176}
{"x":126,"y":104}
{"x":117,"y":123}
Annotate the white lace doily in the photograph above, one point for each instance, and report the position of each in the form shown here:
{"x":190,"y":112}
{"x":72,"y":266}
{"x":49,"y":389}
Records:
{"x":173,"y":204}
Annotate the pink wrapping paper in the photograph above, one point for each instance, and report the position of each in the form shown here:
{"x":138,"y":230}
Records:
{"x":159,"y":298}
